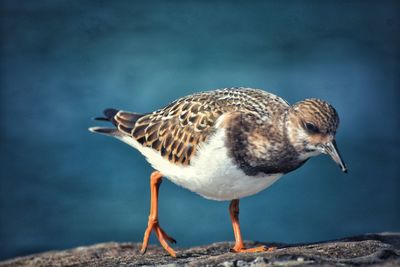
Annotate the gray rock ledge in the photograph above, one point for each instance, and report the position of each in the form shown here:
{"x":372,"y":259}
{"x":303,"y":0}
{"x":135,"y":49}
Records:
{"x":371,"y":249}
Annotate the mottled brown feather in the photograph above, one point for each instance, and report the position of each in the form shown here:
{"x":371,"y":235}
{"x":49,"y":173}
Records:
{"x":177,"y":129}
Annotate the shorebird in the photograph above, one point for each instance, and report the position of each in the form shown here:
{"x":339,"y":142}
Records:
{"x":225,"y":144}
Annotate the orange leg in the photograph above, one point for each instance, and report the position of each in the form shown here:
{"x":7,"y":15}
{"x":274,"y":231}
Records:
{"x":155,"y":181}
{"x":239,"y":246}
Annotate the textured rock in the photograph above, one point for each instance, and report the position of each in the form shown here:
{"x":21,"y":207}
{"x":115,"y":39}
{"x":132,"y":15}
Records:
{"x":373,"y":249}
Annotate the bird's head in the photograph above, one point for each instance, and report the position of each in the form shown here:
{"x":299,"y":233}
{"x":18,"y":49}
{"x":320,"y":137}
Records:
{"x":311,"y":126}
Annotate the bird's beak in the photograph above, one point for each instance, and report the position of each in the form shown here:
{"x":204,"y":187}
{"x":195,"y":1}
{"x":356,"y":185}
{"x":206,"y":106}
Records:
{"x":332,"y":150}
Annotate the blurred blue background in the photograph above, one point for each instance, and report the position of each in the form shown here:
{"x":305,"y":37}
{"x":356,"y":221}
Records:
{"x":62,"y":62}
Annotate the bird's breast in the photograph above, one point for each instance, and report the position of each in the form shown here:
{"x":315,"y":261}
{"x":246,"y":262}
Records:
{"x":214,"y":174}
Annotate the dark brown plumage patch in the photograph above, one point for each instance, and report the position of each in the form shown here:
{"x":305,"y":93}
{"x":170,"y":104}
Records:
{"x":260,"y":149}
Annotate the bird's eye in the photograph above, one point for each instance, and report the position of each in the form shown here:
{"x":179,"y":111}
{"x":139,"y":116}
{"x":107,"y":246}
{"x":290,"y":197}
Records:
{"x":311,"y":127}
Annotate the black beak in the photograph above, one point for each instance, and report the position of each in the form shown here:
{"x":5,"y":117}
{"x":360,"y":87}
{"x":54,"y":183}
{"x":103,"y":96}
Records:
{"x":332,"y":150}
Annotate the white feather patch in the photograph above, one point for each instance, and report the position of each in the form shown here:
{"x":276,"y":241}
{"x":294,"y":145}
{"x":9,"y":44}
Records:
{"x":212,"y":173}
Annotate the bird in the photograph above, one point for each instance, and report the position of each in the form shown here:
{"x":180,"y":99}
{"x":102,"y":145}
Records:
{"x":225,"y":144}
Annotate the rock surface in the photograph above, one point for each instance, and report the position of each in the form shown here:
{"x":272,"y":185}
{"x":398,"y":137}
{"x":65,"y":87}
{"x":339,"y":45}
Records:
{"x":372,"y":249}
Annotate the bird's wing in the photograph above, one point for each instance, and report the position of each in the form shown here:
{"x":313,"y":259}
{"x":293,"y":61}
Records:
{"x":174,"y":131}
{"x":177,"y":130}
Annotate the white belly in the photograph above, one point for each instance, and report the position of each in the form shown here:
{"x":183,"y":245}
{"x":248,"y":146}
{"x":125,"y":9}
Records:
{"x":211,"y":174}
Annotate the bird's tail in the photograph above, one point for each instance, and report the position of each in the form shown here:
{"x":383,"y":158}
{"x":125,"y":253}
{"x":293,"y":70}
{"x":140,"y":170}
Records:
{"x":115,"y":116}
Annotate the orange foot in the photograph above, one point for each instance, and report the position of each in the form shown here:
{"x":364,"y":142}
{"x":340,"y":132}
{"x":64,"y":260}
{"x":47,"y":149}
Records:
{"x":161,"y":236}
{"x":242,"y":249}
